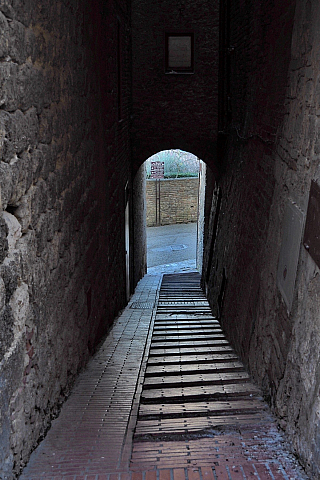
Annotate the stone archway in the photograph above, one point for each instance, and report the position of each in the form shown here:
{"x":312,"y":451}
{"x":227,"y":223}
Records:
{"x":205,"y":182}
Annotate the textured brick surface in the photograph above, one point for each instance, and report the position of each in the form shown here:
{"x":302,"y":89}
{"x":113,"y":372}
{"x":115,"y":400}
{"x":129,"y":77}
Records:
{"x":178,"y":201}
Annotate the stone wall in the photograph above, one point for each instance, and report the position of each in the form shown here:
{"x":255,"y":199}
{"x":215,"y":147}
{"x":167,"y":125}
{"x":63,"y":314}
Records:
{"x":174,"y":110}
{"x":270,"y":122}
{"x":64,"y":151}
{"x":178,"y":201}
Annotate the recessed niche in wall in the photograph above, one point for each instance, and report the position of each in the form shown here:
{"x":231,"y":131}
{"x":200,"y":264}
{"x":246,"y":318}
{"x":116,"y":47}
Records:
{"x":311,"y":239}
{"x":289,"y":253}
{"x":179,"y":50}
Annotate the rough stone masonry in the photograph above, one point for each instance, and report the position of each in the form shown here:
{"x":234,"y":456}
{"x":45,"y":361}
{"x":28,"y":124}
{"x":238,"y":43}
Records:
{"x":68,"y":121}
{"x":64,"y":165}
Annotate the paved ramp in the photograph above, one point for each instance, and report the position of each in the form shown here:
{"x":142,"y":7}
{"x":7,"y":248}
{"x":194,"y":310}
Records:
{"x":200,"y":415}
{"x":165,"y":398}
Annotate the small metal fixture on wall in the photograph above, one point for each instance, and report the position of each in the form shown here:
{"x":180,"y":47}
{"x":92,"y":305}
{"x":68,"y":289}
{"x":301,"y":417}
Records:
{"x":157,"y":172}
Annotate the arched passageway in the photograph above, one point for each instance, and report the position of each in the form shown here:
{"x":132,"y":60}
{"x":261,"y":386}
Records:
{"x":173,"y":190}
{"x":172,"y":209}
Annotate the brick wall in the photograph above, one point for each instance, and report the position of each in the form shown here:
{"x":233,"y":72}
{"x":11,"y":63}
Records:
{"x":259,"y":51}
{"x":64,"y":165}
{"x":174,"y":110}
{"x":271,"y":154}
{"x":178,"y":201}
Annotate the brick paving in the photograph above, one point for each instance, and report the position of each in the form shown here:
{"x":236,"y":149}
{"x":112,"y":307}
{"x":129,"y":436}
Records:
{"x":93,"y":432}
{"x":200,"y":416}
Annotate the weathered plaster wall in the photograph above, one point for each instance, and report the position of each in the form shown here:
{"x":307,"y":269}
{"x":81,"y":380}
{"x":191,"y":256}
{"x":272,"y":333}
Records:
{"x":174,"y":110}
{"x":271,"y":156}
{"x":64,"y":165}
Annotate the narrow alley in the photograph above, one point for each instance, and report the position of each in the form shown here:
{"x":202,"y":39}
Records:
{"x":90,"y":92}
{"x":164,"y":398}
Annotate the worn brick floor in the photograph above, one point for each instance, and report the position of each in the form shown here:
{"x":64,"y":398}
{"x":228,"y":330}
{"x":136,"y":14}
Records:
{"x":101,"y":434}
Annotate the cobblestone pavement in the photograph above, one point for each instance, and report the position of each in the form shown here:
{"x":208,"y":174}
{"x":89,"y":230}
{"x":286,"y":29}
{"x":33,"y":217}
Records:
{"x":208,"y":425}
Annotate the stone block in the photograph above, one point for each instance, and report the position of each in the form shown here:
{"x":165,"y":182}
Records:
{"x":32,"y":45}
{"x":7,"y":183}
{"x":18,"y":131}
{"x":53,"y":221}
{"x":23,"y":212}
{"x":14,"y":229}
{"x":21,"y":176}
{"x":37,"y":164}
{"x":53,"y":252}
{"x":4,"y":245}
{"x":17,"y":44}
{"x":5,"y":122}
{"x":2,"y":295}
{"x":6,"y":7}
{"x":39,"y":200}
{"x":32,"y":87}
{"x":18,"y":134}
{"x":9,"y":89}
{"x":24,"y":11}
{"x":19,"y":304}
{"x":7,"y":333}
{"x":26,"y":162}
{"x":4,"y":41}
{"x":45,"y":127}
{"x":48,"y":160}
{"x":52,"y":190}
{"x":41,"y":231}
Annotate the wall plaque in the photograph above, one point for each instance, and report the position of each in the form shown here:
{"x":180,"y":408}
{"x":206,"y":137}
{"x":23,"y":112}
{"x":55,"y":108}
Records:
{"x":289,"y":253}
{"x":311,"y":239}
